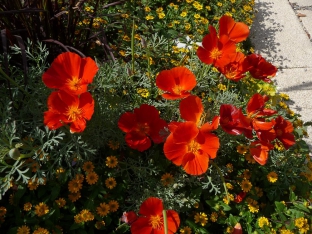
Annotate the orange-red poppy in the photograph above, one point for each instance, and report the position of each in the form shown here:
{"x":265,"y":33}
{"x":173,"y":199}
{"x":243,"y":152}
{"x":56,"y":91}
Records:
{"x":191,"y":108}
{"x":151,"y":219}
{"x":260,"y":151}
{"x":71,"y":73}
{"x":237,"y":67}
{"x":236,"y":31}
{"x":237,"y":229}
{"x":69,"y":109}
{"x":129,"y":217}
{"x":284,"y":132}
{"x":261,"y":69}
{"x":142,"y":126}
{"x":215,"y":50}
{"x":240,"y":197}
{"x":176,"y":82}
{"x":233,"y":121}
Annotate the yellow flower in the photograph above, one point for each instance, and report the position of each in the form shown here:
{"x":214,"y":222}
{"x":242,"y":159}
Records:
{"x":161,"y":15}
{"x":111,"y":161}
{"x":253,"y":206}
{"x":41,"y":231}
{"x":137,"y":36}
{"x":246,"y":185}
{"x":284,"y":96}
{"x":183,"y":14}
{"x":232,"y":1}
{"x":228,"y":198}
{"x":88,"y":166}
{"x":113,"y":206}
{"x":27,"y":206}
{"x":74,"y":186}
{"x":263,"y":221}
{"x":229,"y":186}
{"x":143,"y":92}
{"x":122,"y":53}
{"x":92,"y":178}
{"x":147,"y":9}
{"x":41,"y":209}
{"x":186,"y":230}
{"x":110,"y":183}
{"x":187,"y":26}
{"x":197,"y":6}
{"x":149,"y":17}
{"x":201,"y":218}
{"x":78,"y":218}
{"x":167,"y":179}
{"x":33,"y":184}
{"x":86,"y":215}
{"x":113,"y":144}
{"x":300,"y":222}
{"x":221,"y":87}
{"x":126,"y":38}
{"x":242,"y":149}
{"x":214,"y":217}
{"x":126,"y":16}
{"x":229,"y":230}
{"x":74,"y":196}
{"x":259,"y":191}
{"x":23,"y":230}
{"x":197,"y":16}
{"x":189,"y":1}
{"x":61,"y":202}
{"x":102,"y":209}
{"x":272,"y":177}
{"x":219,"y":4}
{"x":247,"y":174}
{"x":3,"y":211}
{"x":229,"y":167}
{"x":249,"y":158}
{"x":208,"y":8}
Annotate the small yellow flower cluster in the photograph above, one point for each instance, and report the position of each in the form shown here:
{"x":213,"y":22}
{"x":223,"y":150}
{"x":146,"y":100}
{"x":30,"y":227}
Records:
{"x":111,"y":161}
{"x":246,"y":185}
{"x":263,"y":221}
{"x":104,"y":209}
{"x":84,"y":216}
{"x":41,"y":209}
{"x":252,"y":205}
{"x":197,"y":6}
{"x":41,"y":230}
{"x":201,"y":218}
{"x":272,"y":177}
{"x":167,"y":179}
{"x":143,"y":92}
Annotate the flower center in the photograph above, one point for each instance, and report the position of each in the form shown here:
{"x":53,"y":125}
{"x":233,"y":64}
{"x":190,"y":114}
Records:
{"x":74,"y":83}
{"x":279,"y":132}
{"x":193,"y":147}
{"x":215,"y":53}
{"x":177,"y":89}
{"x":74,"y":113}
{"x":156,"y":221}
{"x":143,"y":128}
{"x":230,"y":73}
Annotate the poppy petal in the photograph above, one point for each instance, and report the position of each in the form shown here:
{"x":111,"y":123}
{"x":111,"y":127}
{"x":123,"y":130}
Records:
{"x":185,"y":132}
{"x":174,"y":152}
{"x":191,"y":108}
{"x":195,"y":164}
{"x":173,"y":221}
{"x":237,"y":31}
{"x":86,"y":102}
{"x":151,"y":206}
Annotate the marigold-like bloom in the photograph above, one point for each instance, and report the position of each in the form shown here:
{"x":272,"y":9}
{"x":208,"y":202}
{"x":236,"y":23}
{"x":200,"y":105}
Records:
{"x":111,"y":161}
{"x":23,"y":230}
{"x":79,"y":177}
{"x":246,"y":185}
{"x":74,"y":186}
{"x":99,"y":224}
{"x":74,"y":196}
{"x":41,"y":209}
{"x":167,"y":179}
{"x":92,"y":178}
{"x":300,"y":222}
{"x":33,"y":184}
{"x":86,"y":215}
{"x":272,"y":177}
{"x":61,"y":202}
{"x":113,"y":206}
{"x":260,"y":68}
{"x":88,"y":166}
{"x":201,"y":218}
{"x":103,"y":209}
{"x":71,"y":73}
{"x":110,"y":183}
{"x":151,"y":220}
{"x":242,"y":149}
{"x":41,"y":230}
{"x":263,"y":221}
{"x":186,"y":230}
{"x":214,"y":217}
{"x":68,"y":109}
{"x":142,"y":126}
{"x":27,"y":206}
{"x":176,"y":82}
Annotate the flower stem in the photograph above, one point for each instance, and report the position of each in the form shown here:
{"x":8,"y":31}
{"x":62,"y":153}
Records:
{"x":165,"y":221}
{"x":132,"y":47}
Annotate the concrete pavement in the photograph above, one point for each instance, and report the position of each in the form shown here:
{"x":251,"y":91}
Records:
{"x":281,"y":33}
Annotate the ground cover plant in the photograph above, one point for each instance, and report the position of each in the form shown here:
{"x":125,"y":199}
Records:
{"x":117,"y":127}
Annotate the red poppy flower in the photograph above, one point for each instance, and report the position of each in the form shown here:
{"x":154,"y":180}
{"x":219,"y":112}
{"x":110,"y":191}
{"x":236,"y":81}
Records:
{"x":151,"y":220}
{"x":260,"y":151}
{"x":237,"y":67}
{"x":69,"y":109}
{"x":283,"y":129}
{"x":233,"y":121}
{"x":129,"y":217}
{"x":240,"y":197}
{"x":191,"y":108}
{"x":236,"y":31}
{"x":142,"y":126}
{"x":71,"y":73}
{"x":261,"y":69}
{"x":176,"y":82}
{"x":215,"y":50}
{"x":237,"y":229}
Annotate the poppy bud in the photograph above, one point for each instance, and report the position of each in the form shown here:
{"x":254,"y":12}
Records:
{"x":14,"y":153}
{"x":237,"y":229}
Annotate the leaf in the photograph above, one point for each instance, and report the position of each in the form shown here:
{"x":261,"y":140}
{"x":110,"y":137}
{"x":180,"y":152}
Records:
{"x":55,"y":192}
{"x":292,"y":196}
{"x":75,"y":226}
{"x":280,"y":206}
{"x":301,"y":207}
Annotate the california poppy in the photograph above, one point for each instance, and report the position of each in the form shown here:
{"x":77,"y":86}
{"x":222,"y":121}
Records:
{"x":284,"y":132}
{"x":190,"y":145}
{"x":215,"y":50}
{"x":237,"y":67}
{"x":236,"y":31}
{"x":176,"y":82}
{"x":142,"y":126}
{"x":237,"y":229}
{"x":260,"y":151}
{"x":71,"y":73}
{"x":240,"y":197}
{"x":69,"y":109}
{"x":151,"y":219}
{"x":261,"y":69}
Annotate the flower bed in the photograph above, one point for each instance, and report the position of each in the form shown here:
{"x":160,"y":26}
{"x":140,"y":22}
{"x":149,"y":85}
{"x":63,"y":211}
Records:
{"x":160,"y":139}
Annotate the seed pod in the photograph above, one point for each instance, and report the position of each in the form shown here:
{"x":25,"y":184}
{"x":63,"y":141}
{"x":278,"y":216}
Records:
{"x":14,"y":153}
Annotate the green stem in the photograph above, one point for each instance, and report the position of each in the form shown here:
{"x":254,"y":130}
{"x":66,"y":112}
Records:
{"x":165,"y":221}
{"x":132,"y":46}
{"x":222,"y":178}
{"x":13,"y":82}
